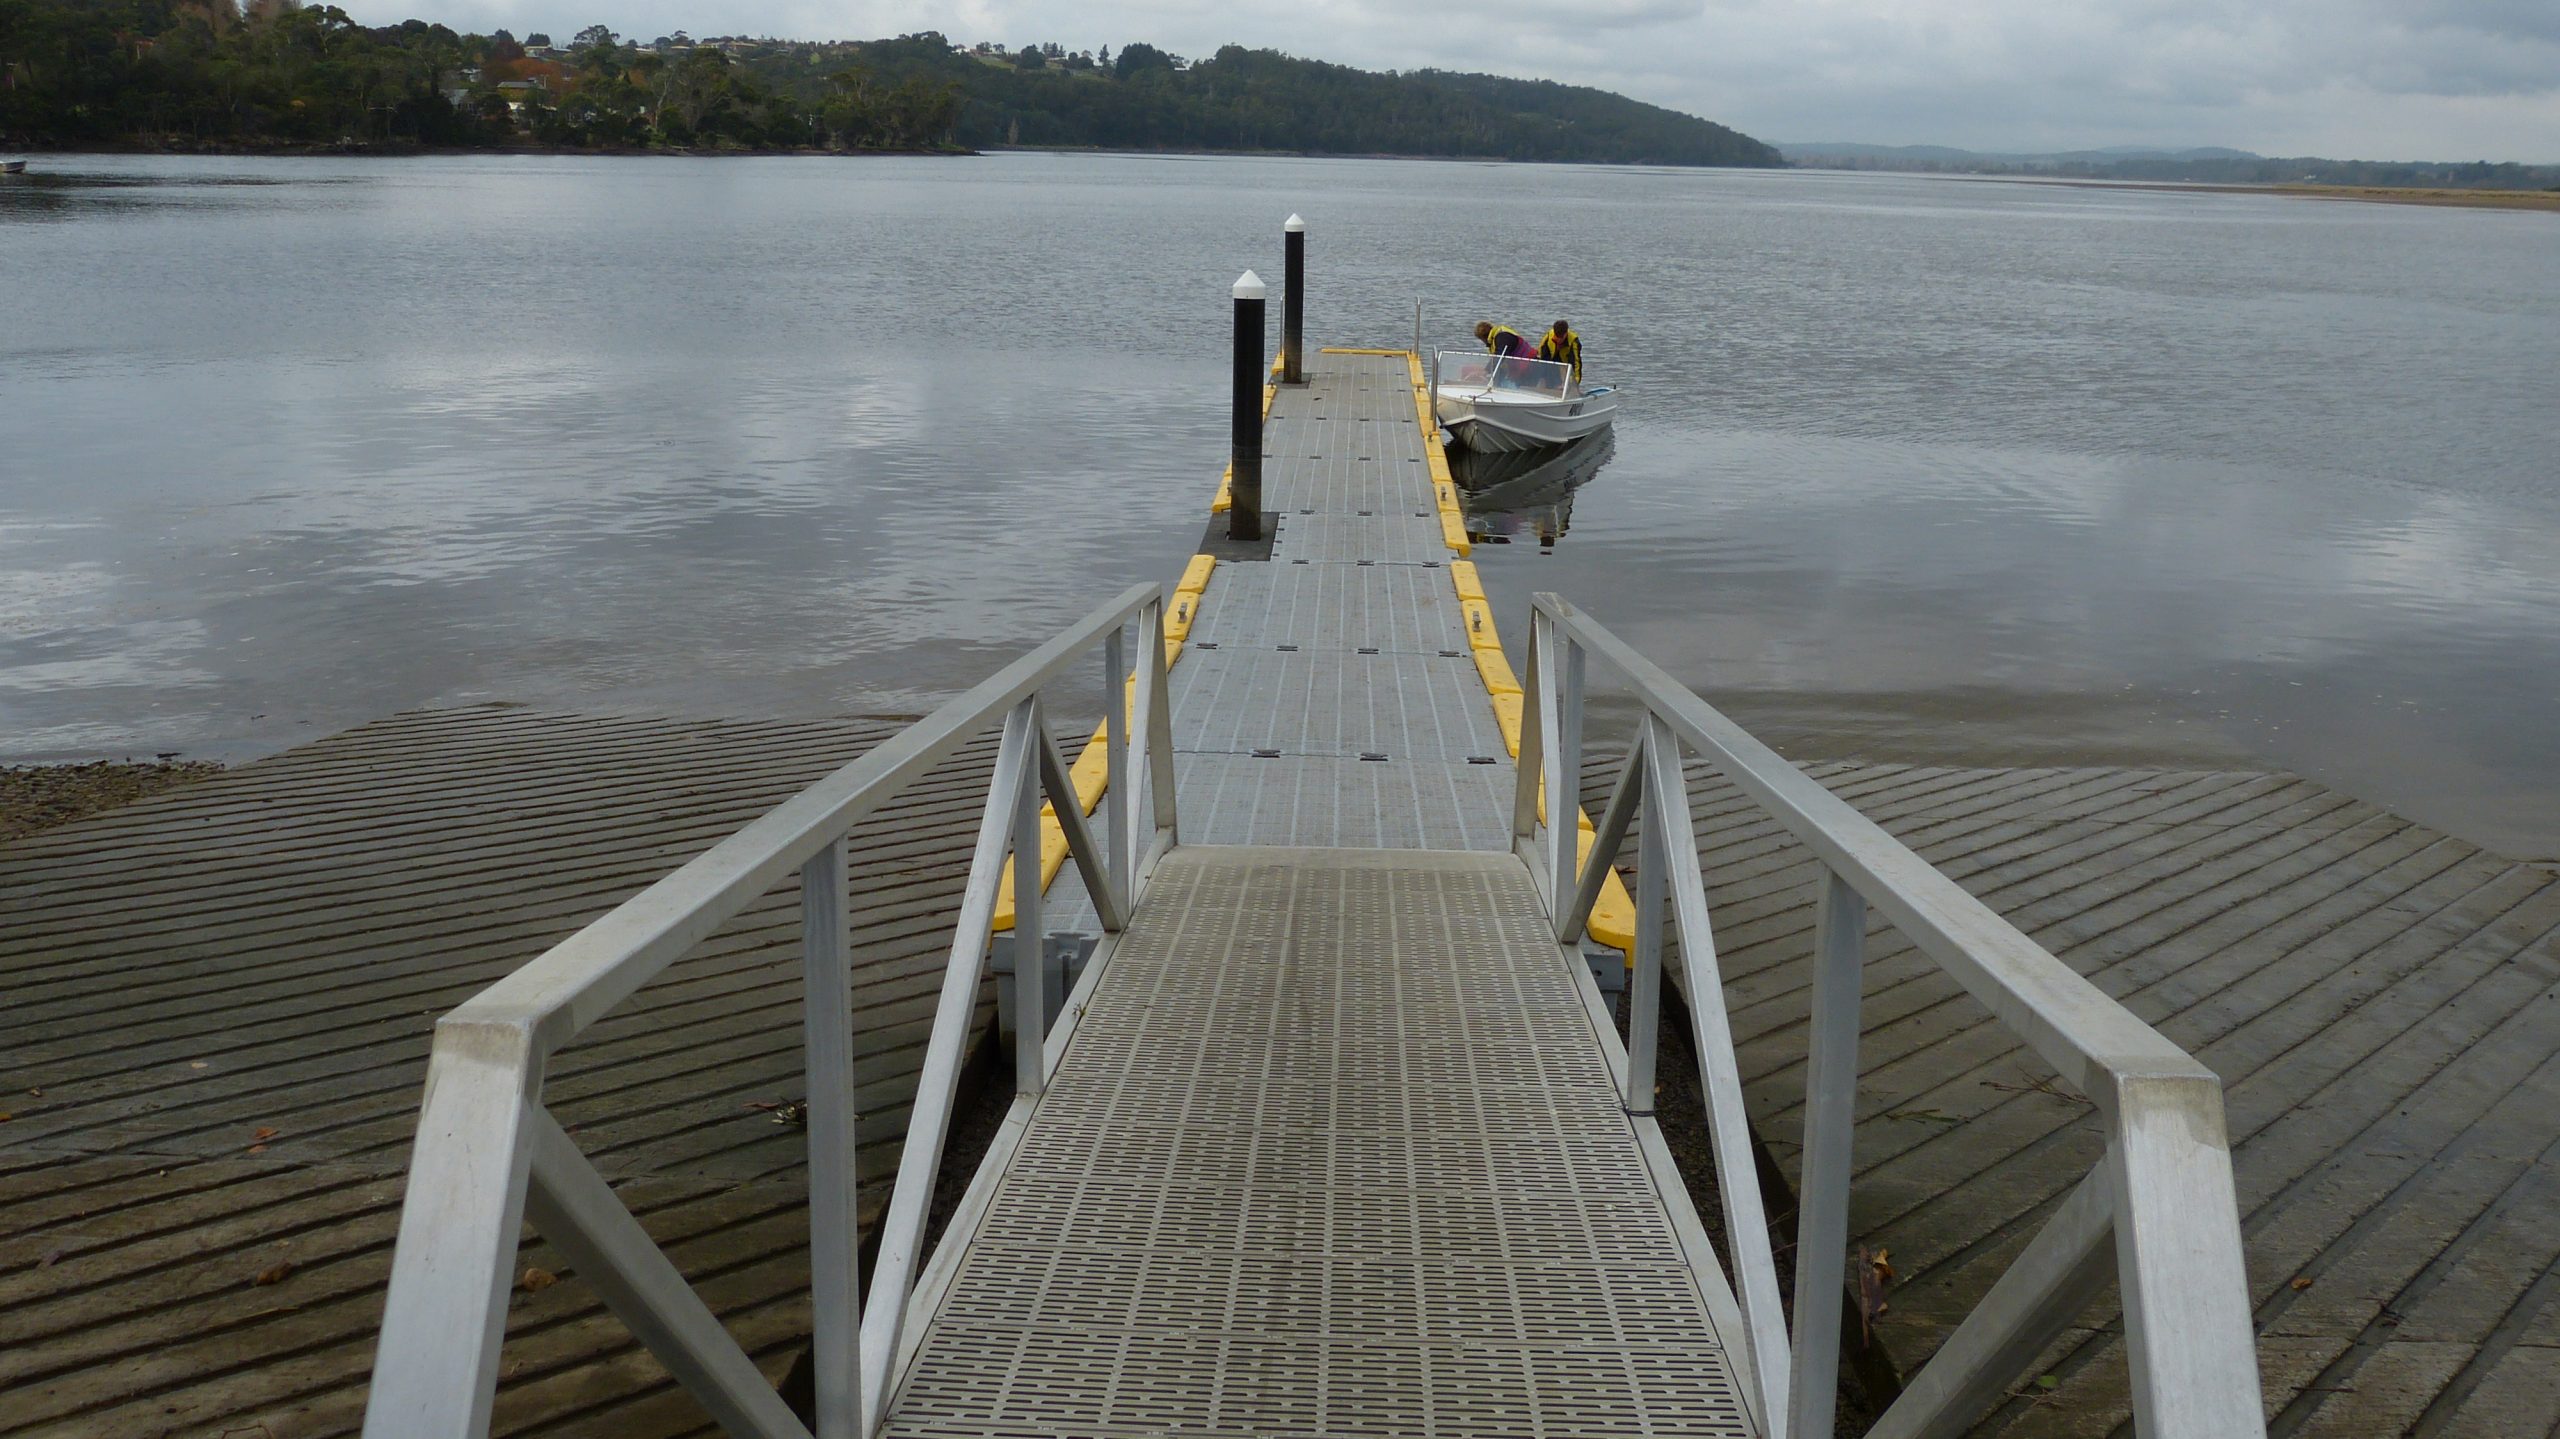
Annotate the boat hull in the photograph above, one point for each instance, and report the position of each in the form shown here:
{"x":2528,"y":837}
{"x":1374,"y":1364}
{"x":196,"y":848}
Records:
{"x":1502,"y":427}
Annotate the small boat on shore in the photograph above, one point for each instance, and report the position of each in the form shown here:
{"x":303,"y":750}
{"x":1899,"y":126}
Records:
{"x":13,"y":167}
{"x":1494,"y":403}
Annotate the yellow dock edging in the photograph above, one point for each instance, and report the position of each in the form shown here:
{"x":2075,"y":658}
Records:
{"x":1613,"y":915}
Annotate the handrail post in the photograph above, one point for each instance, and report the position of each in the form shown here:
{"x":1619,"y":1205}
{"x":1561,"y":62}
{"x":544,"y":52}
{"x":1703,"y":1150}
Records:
{"x":1155,"y":715}
{"x":1529,"y":768}
{"x":1562,"y":767}
{"x":1115,"y":742}
{"x":1644,"y":986}
{"x":454,"y":1264}
{"x":835,"y":1272}
{"x":2178,"y":1252}
{"x":1831,"y":1093}
{"x":1030,"y":956}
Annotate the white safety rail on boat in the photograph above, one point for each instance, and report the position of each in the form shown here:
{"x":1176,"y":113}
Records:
{"x":2163,"y":1192}
{"x":489,"y":1154}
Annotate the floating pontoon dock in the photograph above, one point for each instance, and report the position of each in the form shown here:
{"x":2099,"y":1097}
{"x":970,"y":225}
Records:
{"x":1334,"y":1134}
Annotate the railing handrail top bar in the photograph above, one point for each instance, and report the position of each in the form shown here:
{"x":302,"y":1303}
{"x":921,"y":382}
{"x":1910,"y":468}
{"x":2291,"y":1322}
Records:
{"x":582,"y":977}
{"x":2080,"y":1029}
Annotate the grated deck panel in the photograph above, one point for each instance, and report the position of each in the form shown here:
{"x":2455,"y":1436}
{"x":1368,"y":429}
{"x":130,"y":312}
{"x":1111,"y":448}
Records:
{"x":1396,"y":609}
{"x":1327,"y":702}
{"x":1333,"y":1152}
{"x":1406,"y":537}
{"x":1306,"y":800}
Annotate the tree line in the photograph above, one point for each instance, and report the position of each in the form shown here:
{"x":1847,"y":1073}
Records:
{"x":282,"y":74}
{"x":207,"y":73}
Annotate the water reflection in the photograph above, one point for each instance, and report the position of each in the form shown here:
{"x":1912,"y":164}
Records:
{"x":1526,"y":496}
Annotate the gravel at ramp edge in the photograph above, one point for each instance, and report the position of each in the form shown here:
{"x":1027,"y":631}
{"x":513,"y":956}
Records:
{"x":38,"y":797}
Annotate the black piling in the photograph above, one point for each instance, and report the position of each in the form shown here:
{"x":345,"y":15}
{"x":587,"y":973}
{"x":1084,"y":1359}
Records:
{"x":1244,"y":479}
{"x":1293,"y":303}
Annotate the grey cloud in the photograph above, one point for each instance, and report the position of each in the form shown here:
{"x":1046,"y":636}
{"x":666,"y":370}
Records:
{"x":2500,"y":19}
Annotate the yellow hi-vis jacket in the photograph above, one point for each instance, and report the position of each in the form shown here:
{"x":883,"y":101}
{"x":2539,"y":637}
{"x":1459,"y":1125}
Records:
{"x":1565,"y":350}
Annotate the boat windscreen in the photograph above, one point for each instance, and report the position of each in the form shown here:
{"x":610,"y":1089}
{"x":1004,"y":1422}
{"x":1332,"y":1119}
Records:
{"x":1488,"y":372}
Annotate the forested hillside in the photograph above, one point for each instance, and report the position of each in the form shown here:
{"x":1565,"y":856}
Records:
{"x":277,"y":74}
{"x":1263,"y":100}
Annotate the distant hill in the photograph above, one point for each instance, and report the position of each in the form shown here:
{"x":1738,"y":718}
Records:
{"x":2203,"y":165}
{"x":1241,"y":99}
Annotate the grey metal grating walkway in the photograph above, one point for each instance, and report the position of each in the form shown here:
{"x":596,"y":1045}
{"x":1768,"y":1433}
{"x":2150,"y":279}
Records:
{"x":1347,"y":642}
{"x":1327,"y":695}
{"x":1333,"y":1152}
{"x":1395,"y":609}
{"x":1325,"y":702}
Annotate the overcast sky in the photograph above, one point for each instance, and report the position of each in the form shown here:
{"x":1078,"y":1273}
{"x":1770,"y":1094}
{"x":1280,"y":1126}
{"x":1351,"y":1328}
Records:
{"x":2364,"y":79}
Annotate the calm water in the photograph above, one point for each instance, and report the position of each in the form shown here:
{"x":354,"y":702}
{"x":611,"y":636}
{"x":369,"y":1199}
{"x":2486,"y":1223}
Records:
{"x":1909,"y":468}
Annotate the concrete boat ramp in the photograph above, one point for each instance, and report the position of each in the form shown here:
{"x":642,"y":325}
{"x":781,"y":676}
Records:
{"x":1338,"y":1131}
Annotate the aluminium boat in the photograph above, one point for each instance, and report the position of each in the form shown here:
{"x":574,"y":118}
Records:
{"x":1497,"y":403}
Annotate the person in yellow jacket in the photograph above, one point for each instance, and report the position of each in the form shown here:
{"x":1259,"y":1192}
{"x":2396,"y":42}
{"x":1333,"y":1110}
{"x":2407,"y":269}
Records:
{"x":1504,"y":340}
{"x":1564,"y":347}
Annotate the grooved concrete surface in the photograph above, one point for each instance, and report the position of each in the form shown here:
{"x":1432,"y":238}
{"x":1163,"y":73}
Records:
{"x":215,"y":1007}
{"x":1333,"y":1152}
{"x":2381,"y":1000}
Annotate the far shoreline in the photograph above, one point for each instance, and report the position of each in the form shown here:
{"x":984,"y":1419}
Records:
{"x":2518,"y":200}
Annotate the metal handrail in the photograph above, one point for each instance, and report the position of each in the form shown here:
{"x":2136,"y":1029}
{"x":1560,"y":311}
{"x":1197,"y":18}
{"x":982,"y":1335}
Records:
{"x":2163,"y":1191}
{"x":489,"y":1155}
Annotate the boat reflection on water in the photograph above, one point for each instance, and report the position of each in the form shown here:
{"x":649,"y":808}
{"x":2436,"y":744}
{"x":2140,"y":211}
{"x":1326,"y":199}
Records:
{"x":1526,"y":495}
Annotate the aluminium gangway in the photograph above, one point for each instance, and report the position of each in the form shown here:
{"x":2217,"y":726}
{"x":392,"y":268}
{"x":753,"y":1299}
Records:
{"x":1335,"y":1133}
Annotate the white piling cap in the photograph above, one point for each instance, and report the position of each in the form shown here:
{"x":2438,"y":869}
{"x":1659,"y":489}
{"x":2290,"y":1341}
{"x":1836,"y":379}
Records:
{"x":1294,"y":225}
{"x":1249,"y":286}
